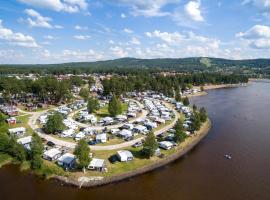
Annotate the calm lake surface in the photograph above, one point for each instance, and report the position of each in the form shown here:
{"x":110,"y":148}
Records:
{"x":241,"y":128}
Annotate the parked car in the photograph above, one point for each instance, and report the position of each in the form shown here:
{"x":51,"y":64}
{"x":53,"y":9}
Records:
{"x":113,"y":159}
{"x":137,"y":144}
{"x":92,"y":142}
{"x":50,"y":144}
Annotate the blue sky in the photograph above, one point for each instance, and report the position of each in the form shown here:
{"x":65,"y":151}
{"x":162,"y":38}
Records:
{"x":56,"y":31}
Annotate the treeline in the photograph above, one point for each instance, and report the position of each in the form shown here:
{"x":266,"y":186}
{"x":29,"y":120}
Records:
{"x":132,"y":65}
{"x":45,"y":89}
{"x":166,"y":84}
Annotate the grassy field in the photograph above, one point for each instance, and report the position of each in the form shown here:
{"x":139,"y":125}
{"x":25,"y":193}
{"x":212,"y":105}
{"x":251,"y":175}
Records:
{"x":103,"y":112}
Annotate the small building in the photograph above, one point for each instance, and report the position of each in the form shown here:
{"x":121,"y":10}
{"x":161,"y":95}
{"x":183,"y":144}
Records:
{"x":17,"y":131}
{"x":165,"y":145}
{"x":11,"y":121}
{"x":67,"y":161}
{"x":97,"y":164}
{"x":25,"y":141}
{"x":124,"y":155}
{"x":52,"y":154}
{"x":101,"y":138}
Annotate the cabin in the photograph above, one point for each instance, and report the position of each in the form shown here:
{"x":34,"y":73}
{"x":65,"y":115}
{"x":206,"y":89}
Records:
{"x":97,"y":164}
{"x":52,"y":154}
{"x":25,"y":141}
{"x":124,"y":156}
{"x":67,"y":160}
{"x":20,"y":131}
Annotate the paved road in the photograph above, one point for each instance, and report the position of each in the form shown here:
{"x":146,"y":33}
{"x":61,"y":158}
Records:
{"x":33,"y":119}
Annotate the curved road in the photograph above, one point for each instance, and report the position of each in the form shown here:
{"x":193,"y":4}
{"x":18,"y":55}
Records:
{"x":33,"y":119}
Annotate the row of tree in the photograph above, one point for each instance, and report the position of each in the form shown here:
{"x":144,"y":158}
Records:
{"x":166,"y":84}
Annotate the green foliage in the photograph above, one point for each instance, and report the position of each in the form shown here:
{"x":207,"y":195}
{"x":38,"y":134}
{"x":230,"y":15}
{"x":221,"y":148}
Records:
{"x":82,"y":151}
{"x":150,"y":145}
{"x":36,"y":162}
{"x":2,"y":118}
{"x":92,"y":105}
{"x":186,"y":101}
{"x":196,"y":121}
{"x":19,"y":152}
{"x":54,"y":124}
{"x":37,"y":147}
{"x":4,"y":142}
{"x":84,"y":93}
{"x":115,"y":106}
{"x":177,"y":95}
{"x":76,"y":80}
{"x":203,"y":114}
{"x":194,"y":107}
{"x":180,"y":135}
{"x":91,"y":81}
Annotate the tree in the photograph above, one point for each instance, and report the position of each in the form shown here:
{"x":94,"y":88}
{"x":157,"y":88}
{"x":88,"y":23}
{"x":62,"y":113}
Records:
{"x":196,"y":121}
{"x":203,"y":114}
{"x":91,"y":81}
{"x":4,"y":142}
{"x":180,"y":135}
{"x":177,"y":95}
{"x":202,"y":88}
{"x":19,"y":152}
{"x":54,"y":124}
{"x":186,"y":101}
{"x":82,"y":151}
{"x":84,"y":93}
{"x":2,"y":118}
{"x":36,"y":147}
{"x":92,"y":105}
{"x":194,"y":107}
{"x":150,"y":145}
{"x":115,"y":107}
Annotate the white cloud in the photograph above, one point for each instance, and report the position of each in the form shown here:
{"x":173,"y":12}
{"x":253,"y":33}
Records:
{"x":70,"y":6}
{"x":17,"y":39}
{"x":111,"y":42}
{"x":123,"y":15}
{"x":37,"y":20}
{"x":49,"y":37}
{"x":77,"y":27}
{"x":135,"y":41}
{"x":192,"y":9}
{"x":258,"y":37}
{"x":148,"y":8}
{"x":118,"y":52}
{"x":58,"y":27}
{"x":126,"y":30}
{"x":82,"y":37}
{"x":165,"y":36}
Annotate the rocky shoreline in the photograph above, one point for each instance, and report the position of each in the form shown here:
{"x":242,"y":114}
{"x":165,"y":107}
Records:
{"x":194,"y":140}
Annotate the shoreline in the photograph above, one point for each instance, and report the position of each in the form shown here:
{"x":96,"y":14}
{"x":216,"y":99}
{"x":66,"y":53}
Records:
{"x":214,"y":87}
{"x":191,"y":142}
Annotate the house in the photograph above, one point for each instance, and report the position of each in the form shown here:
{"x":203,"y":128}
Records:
{"x":52,"y":154}
{"x":17,"y":131}
{"x":124,"y":155}
{"x":165,"y":145}
{"x":67,"y":160}
{"x":101,"y":138}
{"x":25,"y":141}
{"x":97,"y":164}
{"x":11,"y":121}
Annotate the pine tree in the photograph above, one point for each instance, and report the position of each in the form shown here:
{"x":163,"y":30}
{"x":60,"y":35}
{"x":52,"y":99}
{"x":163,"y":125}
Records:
{"x":150,"y":145}
{"x":92,"y":105}
{"x":203,"y":114}
{"x":186,"y":101}
{"x":82,"y":151}
{"x":177,"y":95}
{"x":115,"y":106}
{"x":36,"y":147}
{"x":180,"y":135}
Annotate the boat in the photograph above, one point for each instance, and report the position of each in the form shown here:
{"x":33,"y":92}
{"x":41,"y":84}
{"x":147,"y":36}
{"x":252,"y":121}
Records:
{"x":228,"y":156}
